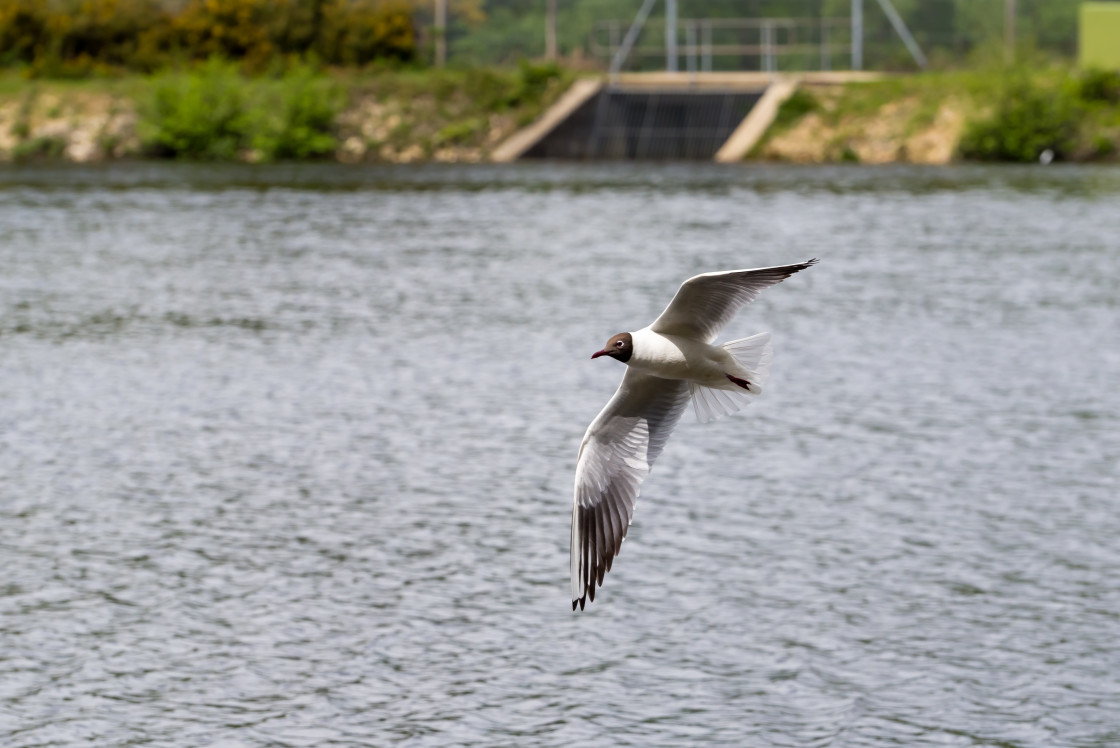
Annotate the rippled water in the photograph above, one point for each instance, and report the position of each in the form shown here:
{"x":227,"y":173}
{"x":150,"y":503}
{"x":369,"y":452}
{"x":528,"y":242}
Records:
{"x":286,"y":459}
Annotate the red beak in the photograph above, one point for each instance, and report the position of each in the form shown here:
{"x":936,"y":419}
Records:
{"x":596,"y":354}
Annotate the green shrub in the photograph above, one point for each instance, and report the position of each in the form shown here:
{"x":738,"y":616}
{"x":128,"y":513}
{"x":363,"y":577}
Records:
{"x":200,"y":115}
{"x":532,"y":80}
{"x":214,"y":113}
{"x":356,"y":32}
{"x":74,"y":38}
{"x":102,"y":33}
{"x":485,"y":87}
{"x":296,"y":116}
{"x":495,"y":90}
{"x":1103,"y":146}
{"x":46,"y":147}
{"x":800,"y":103}
{"x":1028,"y":119}
{"x":21,"y":124}
{"x":460,"y":132}
{"x":24,"y":32}
{"x":1100,"y":86}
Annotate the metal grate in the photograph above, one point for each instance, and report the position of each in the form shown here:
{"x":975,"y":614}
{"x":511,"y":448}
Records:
{"x":654,"y":125}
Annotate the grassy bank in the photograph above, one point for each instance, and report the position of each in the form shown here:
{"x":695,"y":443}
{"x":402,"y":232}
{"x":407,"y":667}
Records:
{"x":1015,"y":115}
{"x":216,"y":113}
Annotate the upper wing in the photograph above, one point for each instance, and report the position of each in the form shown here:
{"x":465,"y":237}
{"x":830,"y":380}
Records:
{"x":615,"y":457}
{"x":705,"y":303}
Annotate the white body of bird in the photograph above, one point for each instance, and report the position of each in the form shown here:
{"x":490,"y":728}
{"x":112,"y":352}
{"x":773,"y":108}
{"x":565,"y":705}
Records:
{"x":679,"y":357}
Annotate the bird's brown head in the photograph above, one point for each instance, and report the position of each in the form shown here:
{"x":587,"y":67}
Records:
{"x":621,"y":346}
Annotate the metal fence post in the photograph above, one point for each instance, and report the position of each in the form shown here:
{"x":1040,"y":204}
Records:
{"x":550,"y":30}
{"x":1009,"y":31}
{"x":826,"y":53}
{"x":690,"y":46}
{"x":706,"y":45}
{"x":768,"y":46}
{"x":857,"y":34}
{"x":440,"y":33}
{"x":671,"y":35}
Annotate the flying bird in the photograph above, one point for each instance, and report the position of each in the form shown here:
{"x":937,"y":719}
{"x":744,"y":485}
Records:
{"x":669,"y":363}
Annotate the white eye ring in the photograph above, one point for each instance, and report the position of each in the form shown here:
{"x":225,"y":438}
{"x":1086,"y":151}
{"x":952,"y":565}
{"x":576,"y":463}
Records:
{"x":619,"y":344}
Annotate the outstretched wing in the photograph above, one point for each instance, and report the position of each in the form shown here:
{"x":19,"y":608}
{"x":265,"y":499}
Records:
{"x":705,"y":303}
{"x":615,"y":457}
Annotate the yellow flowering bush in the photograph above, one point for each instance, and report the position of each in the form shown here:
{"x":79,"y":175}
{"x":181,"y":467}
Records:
{"x":84,"y":36}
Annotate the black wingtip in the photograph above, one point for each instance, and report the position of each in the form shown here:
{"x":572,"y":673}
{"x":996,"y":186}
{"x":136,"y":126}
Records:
{"x":788,"y":270}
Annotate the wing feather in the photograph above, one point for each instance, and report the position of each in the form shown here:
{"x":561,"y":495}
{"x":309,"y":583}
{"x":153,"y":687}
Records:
{"x":705,"y":303}
{"x":616,"y":455}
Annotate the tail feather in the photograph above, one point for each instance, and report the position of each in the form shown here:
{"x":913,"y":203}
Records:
{"x":754,"y":355}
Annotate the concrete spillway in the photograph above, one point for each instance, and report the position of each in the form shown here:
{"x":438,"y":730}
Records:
{"x":693,"y":116}
{"x":647,"y":124}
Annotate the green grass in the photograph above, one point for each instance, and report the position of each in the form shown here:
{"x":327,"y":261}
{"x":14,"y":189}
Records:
{"x":470,"y":90}
{"x":928,"y":89}
{"x":13,"y":84}
{"x":454,"y":106}
{"x":1010,"y":114}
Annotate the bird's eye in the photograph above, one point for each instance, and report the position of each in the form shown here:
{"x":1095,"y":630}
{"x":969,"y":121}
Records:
{"x":619,"y":344}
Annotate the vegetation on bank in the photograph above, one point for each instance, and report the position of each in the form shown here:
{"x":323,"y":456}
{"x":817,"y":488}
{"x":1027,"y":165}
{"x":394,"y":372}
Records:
{"x":1072,"y":118}
{"x":1010,"y":115}
{"x":215,"y":112}
{"x":263,"y":80}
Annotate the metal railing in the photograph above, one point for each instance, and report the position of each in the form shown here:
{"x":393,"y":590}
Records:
{"x":765,"y":44}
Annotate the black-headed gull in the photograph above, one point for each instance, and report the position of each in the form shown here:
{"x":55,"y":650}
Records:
{"x":668,"y":364}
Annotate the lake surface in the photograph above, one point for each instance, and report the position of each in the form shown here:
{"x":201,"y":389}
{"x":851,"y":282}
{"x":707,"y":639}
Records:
{"x":286,"y":458}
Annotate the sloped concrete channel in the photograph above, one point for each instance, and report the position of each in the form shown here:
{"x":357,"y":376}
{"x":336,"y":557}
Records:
{"x":662,"y":116}
{"x":658,"y":124}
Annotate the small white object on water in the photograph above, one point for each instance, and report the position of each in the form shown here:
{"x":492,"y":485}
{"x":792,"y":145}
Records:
{"x":1046,"y":157}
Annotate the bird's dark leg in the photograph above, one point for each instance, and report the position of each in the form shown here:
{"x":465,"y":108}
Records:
{"x":741,"y":382}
